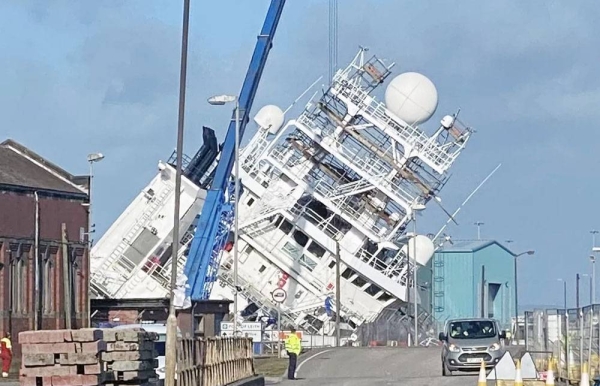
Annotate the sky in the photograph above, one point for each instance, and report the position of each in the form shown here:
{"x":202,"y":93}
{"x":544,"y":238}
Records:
{"x":82,"y":77}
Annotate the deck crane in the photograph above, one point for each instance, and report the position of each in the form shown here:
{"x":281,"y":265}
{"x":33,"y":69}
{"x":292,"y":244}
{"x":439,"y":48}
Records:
{"x":216,"y":217}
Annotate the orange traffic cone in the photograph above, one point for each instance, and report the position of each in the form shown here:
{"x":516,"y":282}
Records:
{"x":550,"y":373}
{"x":518,"y":376}
{"x":482,"y":376}
{"x":585,"y":376}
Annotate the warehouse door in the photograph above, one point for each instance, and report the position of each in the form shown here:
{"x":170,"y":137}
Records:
{"x":494,"y":304}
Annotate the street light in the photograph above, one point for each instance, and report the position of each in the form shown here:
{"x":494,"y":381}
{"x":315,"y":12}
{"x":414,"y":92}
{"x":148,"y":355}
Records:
{"x":517,"y":294}
{"x":91,"y":158}
{"x":478,"y":224}
{"x":219,"y":100}
{"x":414,"y":208}
{"x":593,"y":260}
{"x":171,"y":343}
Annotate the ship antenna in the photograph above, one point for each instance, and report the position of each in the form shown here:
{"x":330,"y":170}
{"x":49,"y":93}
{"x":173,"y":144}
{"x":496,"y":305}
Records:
{"x":301,"y":95}
{"x":465,"y":201}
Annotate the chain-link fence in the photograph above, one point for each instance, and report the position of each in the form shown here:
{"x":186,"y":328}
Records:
{"x":393,"y":326}
{"x":571,"y":337}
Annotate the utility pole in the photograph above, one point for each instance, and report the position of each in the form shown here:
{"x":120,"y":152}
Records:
{"x":338,"y":300}
{"x":577,"y":278}
{"x":171,"y":343}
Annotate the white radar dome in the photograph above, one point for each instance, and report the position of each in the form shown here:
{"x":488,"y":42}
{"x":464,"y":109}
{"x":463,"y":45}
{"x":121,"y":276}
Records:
{"x":270,"y":117}
{"x":424,"y":249}
{"x":412,"y":97}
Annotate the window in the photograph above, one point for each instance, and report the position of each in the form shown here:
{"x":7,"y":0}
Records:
{"x":384,"y":297}
{"x":472,"y":329}
{"x":373,"y":290}
{"x":296,"y":255}
{"x":316,"y":249}
{"x":359,"y":282}
{"x":301,"y":238}
{"x":262,"y":269}
{"x":286,"y":226}
{"x":347,"y":273}
{"x":332,"y":264}
{"x":250,"y":201}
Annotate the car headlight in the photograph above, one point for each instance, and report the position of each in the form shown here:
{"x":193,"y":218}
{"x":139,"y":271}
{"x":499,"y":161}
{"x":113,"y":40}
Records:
{"x":495,"y":347}
{"x":453,"y":348}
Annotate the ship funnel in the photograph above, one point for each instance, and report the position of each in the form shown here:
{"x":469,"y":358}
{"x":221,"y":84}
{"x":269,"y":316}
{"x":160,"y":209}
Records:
{"x":271,"y":118}
{"x":424,"y":249}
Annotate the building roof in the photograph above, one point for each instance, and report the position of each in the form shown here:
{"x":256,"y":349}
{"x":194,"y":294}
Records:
{"x":469,"y":246}
{"x":22,"y":168}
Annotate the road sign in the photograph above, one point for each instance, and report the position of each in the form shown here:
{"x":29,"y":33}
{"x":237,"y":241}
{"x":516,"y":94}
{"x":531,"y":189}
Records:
{"x":279,"y":295}
{"x":246,"y":329}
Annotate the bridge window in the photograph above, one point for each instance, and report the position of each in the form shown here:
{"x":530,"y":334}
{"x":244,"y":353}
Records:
{"x":250,"y":201}
{"x":332,"y":264}
{"x":301,"y":238}
{"x":373,"y":290}
{"x":316,"y":249}
{"x":384,"y":297}
{"x":262,"y":269}
{"x":359,"y":282}
{"x":347,"y":273}
{"x":286,"y":226}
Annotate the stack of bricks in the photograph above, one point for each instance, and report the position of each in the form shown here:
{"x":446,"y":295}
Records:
{"x":88,"y":357}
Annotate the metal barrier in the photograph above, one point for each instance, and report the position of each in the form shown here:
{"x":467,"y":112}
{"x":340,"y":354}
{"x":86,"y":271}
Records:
{"x":572,"y":336}
{"x":214,"y":361}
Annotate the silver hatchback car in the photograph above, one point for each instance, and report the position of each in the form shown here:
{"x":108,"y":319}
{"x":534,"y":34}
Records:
{"x":468,"y":342}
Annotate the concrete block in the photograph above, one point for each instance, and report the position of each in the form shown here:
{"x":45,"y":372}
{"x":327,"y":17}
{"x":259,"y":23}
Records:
{"x":87,"y":335}
{"x":44,"y":336}
{"x":97,"y":368}
{"x":29,"y":360}
{"x":32,"y":381}
{"x":91,"y":347}
{"x":134,"y":365}
{"x":134,"y":375}
{"x":129,"y":346}
{"x":76,"y":380}
{"x":129,"y":355}
{"x":78,"y":359}
{"x":47,"y":348}
{"x":48,"y":371}
{"x":136,"y":336}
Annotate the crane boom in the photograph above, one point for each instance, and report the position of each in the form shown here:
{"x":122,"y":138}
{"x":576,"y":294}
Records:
{"x":216,"y":216}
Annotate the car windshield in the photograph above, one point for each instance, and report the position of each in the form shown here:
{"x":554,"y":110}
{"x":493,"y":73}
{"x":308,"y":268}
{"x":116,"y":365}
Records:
{"x":472,"y":329}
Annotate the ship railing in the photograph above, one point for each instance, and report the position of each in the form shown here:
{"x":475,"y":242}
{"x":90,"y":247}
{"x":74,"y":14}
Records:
{"x":321,"y":223}
{"x":412,"y":136}
{"x":373,"y":167}
{"x":397,"y":271}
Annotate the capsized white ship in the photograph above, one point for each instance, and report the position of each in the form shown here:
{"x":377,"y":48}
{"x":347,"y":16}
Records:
{"x":346,"y":176}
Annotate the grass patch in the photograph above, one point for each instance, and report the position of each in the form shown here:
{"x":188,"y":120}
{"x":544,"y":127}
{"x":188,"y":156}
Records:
{"x":270,"y":366}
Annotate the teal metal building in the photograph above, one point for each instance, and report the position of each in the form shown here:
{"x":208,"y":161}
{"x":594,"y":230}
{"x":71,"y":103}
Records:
{"x":473,"y":279}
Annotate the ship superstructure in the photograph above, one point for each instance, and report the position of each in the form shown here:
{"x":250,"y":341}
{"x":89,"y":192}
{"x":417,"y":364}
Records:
{"x":344,"y":177}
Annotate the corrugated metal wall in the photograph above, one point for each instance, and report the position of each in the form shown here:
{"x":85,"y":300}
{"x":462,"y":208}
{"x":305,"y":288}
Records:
{"x":457,"y":284}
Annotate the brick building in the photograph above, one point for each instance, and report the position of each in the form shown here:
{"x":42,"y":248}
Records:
{"x":38,"y":197}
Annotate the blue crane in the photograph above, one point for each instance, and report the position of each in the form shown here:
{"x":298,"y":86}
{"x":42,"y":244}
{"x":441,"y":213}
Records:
{"x":216,"y":218}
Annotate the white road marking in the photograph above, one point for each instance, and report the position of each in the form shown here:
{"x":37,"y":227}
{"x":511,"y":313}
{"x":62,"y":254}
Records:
{"x":307,"y":359}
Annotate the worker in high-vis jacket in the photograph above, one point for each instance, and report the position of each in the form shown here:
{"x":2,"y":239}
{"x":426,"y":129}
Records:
{"x":5,"y":354}
{"x":293,"y":346}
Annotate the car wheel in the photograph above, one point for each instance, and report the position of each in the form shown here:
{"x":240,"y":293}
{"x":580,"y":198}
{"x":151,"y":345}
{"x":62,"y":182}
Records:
{"x":445,"y":371}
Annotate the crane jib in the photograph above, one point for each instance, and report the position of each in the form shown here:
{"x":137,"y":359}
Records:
{"x":209,"y":232}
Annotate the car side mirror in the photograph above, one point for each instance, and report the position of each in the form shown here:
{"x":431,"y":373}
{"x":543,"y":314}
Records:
{"x":502,"y":334}
{"x":442,"y":336}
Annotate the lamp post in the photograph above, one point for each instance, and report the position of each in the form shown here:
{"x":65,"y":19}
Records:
{"x":478,"y":224}
{"x":517,"y":294}
{"x":338,"y":299}
{"x":220,"y":100}
{"x":593,"y":260}
{"x":415,"y":207}
{"x":91,"y":158}
{"x":171,"y":343}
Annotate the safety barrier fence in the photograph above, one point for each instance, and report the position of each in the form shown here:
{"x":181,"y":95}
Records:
{"x":571,"y":336}
{"x":214,"y":361}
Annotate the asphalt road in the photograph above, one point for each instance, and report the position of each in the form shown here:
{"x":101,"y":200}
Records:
{"x":377,"y":366}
